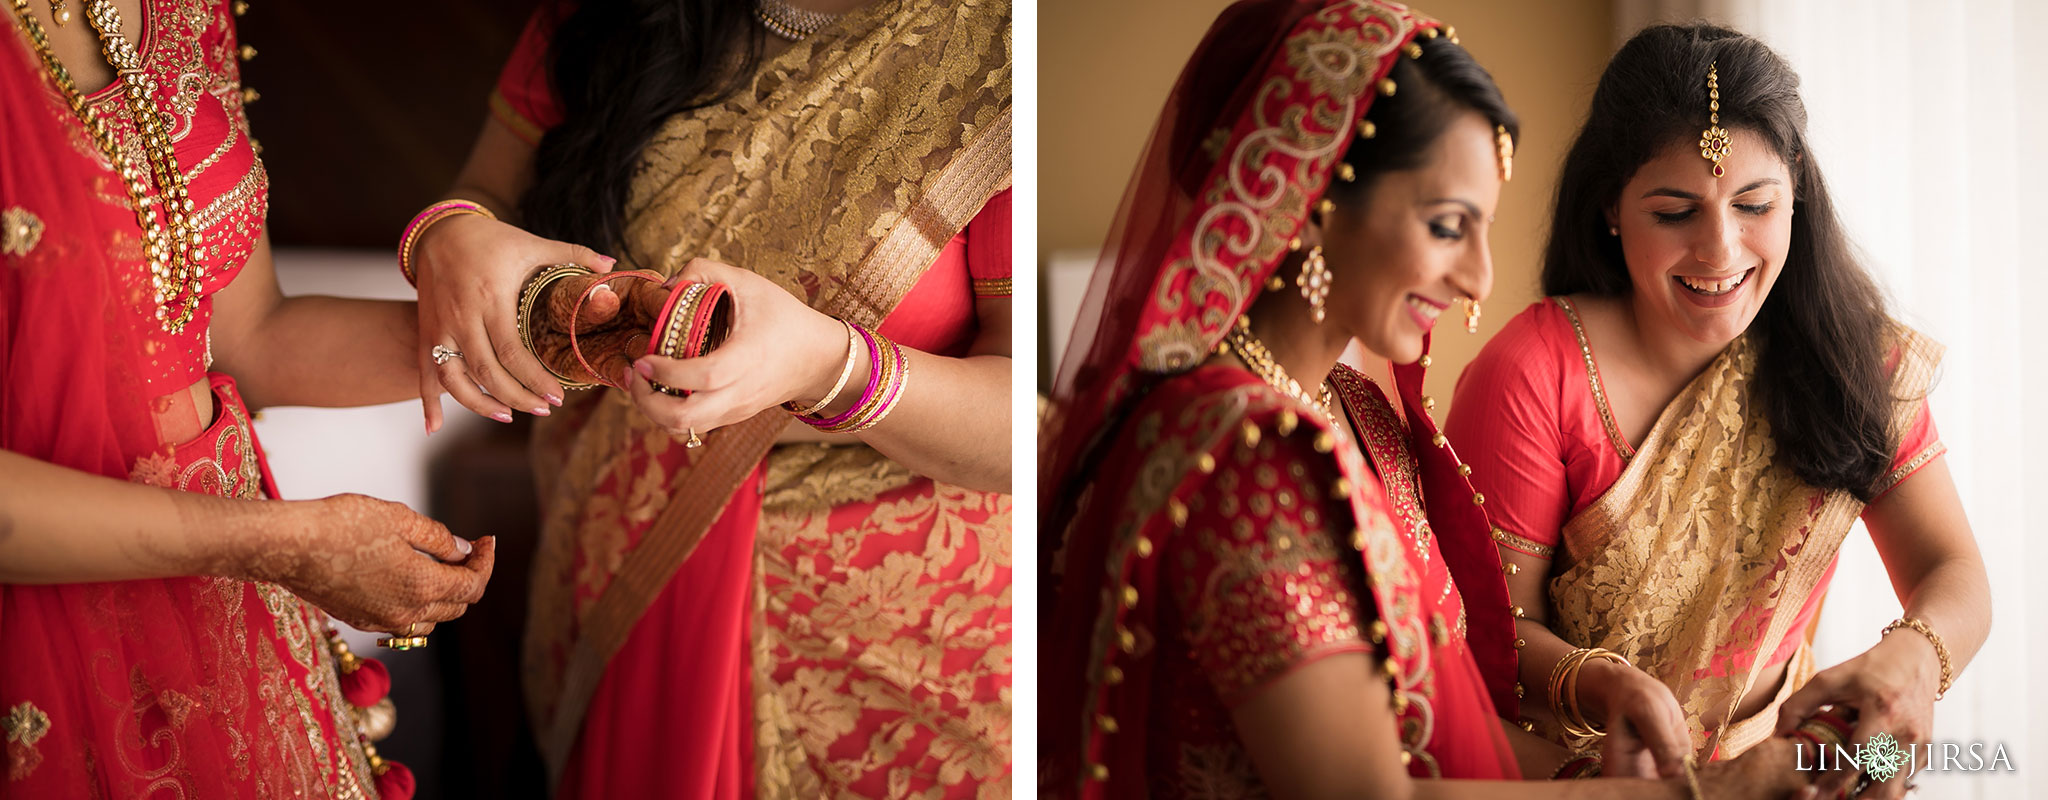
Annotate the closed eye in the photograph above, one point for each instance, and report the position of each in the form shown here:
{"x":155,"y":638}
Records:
{"x":1442,"y":228}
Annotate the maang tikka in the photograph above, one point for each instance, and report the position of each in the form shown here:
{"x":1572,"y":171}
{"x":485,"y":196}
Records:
{"x":1714,"y":140}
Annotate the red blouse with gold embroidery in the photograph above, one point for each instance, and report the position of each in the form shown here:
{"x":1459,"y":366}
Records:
{"x":189,"y":48}
{"x":1246,"y":537}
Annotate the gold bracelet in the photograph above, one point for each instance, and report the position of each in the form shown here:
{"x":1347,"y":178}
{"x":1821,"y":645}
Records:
{"x":1692,"y":779}
{"x":852,"y":355}
{"x":529,"y":298}
{"x":1940,"y":649}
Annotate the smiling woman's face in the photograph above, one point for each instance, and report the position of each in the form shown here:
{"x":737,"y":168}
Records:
{"x":1416,"y":243}
{"x":1703,"y":252}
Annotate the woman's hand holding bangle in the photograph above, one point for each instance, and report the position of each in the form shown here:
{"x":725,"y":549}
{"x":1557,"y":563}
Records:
{"x":778,"y":351}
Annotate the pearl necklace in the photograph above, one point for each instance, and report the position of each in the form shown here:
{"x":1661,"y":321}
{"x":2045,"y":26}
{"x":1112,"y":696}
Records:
{"x":1255,"y":355}
{"x":790,"y":22}
{"x":173,"y":256}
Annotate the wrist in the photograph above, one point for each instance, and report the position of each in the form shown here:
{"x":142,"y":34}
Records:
{"x":242,"y":539}
{"x":1598,"y":681}
{"x":838,"y":364}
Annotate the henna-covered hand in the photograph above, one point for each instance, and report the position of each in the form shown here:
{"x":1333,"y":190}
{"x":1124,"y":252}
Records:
{"x":612,"y":327}
{"x":373,"y":564}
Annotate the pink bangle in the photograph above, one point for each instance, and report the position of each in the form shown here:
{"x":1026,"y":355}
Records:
{"x":867,"y":396}
{"x":894,"y":368}
{"x":421,"y":221}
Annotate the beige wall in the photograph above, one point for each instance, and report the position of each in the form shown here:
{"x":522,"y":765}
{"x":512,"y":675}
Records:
{"x":1105,"y":69}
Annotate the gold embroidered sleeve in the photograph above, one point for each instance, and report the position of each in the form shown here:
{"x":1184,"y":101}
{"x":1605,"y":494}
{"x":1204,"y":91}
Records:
{"x":1265,"y":582}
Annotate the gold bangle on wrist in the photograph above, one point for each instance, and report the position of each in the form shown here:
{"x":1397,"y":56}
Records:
{"x":852,"y":355}
{"x":529,"y":298}
{"x":1564,"y":690}
{"x":1940,"y":649}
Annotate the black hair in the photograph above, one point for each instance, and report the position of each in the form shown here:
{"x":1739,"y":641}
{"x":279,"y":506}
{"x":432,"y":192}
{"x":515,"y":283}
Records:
{"x":1819,"y":336}
{"x":1430,"y":92}
{"x":621,"y":68}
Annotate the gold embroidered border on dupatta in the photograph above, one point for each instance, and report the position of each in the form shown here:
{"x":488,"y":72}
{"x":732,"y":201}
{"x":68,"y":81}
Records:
{"x":1695,"y":562}
{"x":840,"y":173}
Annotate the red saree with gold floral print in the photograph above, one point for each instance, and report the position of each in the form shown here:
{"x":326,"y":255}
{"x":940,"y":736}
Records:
{"x":799,"y":620}
{"x":173,"y":687}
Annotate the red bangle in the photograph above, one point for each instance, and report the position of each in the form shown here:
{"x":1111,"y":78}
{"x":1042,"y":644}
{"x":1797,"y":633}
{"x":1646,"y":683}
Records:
{"x":694,"y":321}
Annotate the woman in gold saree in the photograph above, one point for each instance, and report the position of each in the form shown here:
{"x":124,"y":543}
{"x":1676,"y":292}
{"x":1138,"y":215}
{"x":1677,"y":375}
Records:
{"x":1676,"y":443}
{"x":726,"y":604}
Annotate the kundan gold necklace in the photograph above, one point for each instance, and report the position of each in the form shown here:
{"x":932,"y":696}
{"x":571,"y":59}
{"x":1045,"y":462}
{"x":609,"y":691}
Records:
{"x":170,"y":242}
{"x":1255,"y":355}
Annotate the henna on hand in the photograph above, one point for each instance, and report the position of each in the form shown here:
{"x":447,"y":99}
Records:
{"x":372,"y":564}
{"x":612,"y":327}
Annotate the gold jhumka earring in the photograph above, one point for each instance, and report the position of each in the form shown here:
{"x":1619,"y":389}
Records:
{"x":1714,"y":140}
{"x":1314,"y":281}
{"x":1471,"y":313}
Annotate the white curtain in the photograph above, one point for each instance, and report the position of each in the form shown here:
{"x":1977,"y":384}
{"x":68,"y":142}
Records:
{"x":1929,"y":120}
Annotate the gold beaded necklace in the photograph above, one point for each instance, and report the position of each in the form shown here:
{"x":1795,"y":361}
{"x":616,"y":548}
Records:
{"x":172,"y":249}
{"x":1255,"y":355}
{"x":790,"y":22}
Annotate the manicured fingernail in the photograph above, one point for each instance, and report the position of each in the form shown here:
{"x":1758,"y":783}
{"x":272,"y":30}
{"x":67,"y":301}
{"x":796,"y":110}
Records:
{"x":602,"y":287}
{"x":553,"y":399}
{"x":502,"y":416}
{"x":608,"y":260}
{"x":645,"y":369}
{"x":463,"y":545}
{"x":540,"y":411}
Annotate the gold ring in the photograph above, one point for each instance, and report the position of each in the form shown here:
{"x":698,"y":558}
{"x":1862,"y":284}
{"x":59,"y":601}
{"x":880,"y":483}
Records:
{"x":405,"y":640}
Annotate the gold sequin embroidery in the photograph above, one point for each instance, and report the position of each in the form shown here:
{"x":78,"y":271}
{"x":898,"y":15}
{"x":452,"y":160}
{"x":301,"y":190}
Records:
{"x":20,"y":230}
{"x":25,"y":725}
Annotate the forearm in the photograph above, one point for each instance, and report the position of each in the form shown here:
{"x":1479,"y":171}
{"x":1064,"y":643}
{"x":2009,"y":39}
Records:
{"x":1534,"y":663}
{"x":60,"y":525}
{"x":1538,"y":757}
{"x":1953,"y":598}
{"x":330,"y":352}
{"x":953,"y":423}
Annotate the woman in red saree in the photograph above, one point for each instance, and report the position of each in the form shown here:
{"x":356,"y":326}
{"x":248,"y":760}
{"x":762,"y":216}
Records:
{"x":1675,"y":444}
{"x":1251,"y":599}
{"x":777,"y":611}
{"x":161,"y":616}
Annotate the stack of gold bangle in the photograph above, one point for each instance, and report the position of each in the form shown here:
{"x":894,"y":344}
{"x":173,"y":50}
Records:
{"x":1940,"y":649}
{"x":529,"y":298}
{"x":1564,"y":690}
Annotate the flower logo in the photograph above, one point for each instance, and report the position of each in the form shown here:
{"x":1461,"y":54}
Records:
{"x":1882,"y":758}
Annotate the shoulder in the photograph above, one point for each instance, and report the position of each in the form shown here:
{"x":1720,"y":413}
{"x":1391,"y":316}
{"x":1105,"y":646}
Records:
{"x":1530,"y":356}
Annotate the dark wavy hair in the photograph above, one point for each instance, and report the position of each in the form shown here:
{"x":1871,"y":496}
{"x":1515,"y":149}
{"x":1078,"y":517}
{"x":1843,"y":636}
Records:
{"x":621,"y":68}
{"x":1819,"y":336}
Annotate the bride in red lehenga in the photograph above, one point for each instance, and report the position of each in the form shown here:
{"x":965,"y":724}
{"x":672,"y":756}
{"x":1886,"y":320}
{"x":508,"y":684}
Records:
{"x":163,"y":622}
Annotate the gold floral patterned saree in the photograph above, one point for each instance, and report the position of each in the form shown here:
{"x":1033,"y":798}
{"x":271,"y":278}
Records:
{"x":1696,"y":562}
{"x":873,"y":604}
